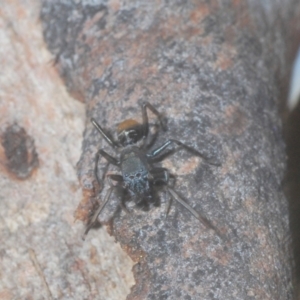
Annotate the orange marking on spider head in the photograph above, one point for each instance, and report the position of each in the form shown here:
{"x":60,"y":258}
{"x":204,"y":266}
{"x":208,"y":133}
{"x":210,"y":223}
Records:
{"x":127,"y":124}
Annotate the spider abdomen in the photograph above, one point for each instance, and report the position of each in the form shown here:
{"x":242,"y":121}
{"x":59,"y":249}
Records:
{"x":135,"y":172}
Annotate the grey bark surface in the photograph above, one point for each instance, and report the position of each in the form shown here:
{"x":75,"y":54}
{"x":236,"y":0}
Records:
{"x":215,"y":71}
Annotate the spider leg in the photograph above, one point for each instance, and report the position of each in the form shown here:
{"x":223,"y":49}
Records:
{"x":123,"y":206}
{"x":109,"y":158}
{"x":145,"y":126}
{"x":162,"y":176}
{"x":145,"y":117}
{"x":98,"y":211}
{"x":153,"y":138}
{"x":202,"y":219}
{"x":96,"y":171}
{"x":168,"y":203}
{"x":110,"y":141}
{"x":111,"y":177}
{"x":119,"y":179}
{"x":160,"y":151}
{"x":115,"y":177}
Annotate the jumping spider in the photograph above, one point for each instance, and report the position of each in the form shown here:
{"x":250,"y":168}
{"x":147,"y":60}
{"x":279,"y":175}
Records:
{"x":140,"y":179}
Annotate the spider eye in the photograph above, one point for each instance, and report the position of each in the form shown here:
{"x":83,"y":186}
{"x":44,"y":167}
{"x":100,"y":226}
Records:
{"x":130,"y":136}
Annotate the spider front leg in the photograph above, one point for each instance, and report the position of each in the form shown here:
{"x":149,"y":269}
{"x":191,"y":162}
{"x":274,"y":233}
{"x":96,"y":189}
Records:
{"x":110,"y":141}
{"x":145,"y":126}
{"x":145,"y":117}
{"x":108,"y":157}
{"x":160,"y":151}
{"x":147,"y":145}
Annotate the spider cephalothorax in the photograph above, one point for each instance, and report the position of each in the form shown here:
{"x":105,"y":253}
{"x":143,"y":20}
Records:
{"x":130,"y":132}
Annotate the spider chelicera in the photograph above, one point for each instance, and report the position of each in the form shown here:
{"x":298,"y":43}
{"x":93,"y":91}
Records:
{"x":140,"y":179}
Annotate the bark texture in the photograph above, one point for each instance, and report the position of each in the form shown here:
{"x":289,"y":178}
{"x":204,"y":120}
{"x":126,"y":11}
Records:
{"x":217,"y":71}
{"x":42,"y":255}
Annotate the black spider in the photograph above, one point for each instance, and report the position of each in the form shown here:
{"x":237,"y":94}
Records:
{"x":140,"y":179}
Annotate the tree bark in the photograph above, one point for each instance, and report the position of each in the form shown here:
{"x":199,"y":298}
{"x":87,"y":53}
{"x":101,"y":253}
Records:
{"x":42,"y":255}
{"x":217,"y":71}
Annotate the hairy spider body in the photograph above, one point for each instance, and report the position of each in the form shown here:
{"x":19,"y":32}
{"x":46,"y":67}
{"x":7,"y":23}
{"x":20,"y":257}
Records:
{"x":140,"y":179}
{"x":135,"y":173}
